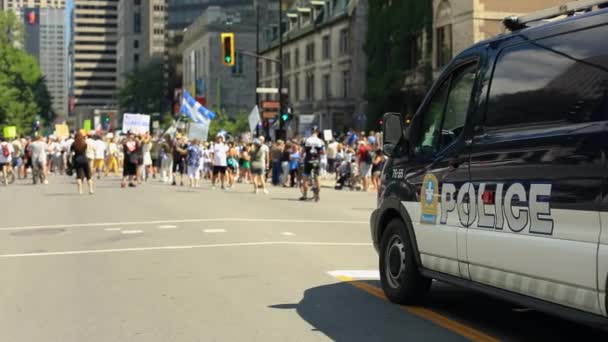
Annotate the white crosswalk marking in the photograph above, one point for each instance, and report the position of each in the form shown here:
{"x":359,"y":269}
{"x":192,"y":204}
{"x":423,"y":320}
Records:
{"x":127,"y":232}
{"x":288,"y":233}
{"x":114,"y":229}
{"x":168,"y":226}
{"x":214,"y":230}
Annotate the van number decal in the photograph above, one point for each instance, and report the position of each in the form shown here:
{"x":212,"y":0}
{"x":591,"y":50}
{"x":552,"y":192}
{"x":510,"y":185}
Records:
{"x":495,"y":208}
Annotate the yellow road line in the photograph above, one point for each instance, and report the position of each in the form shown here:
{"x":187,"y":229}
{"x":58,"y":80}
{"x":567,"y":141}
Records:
{"x":429,"y":315}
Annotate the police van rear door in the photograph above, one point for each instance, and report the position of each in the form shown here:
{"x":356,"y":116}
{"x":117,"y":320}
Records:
{"x":537,"y":164}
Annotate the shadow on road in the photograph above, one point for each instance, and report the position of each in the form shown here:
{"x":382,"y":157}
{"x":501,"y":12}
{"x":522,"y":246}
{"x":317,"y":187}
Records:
{"x":345,"y":313}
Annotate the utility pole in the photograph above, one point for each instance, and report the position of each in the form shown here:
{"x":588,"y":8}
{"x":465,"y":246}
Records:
{"x":257,"y":59}
{"x":281,"y":104}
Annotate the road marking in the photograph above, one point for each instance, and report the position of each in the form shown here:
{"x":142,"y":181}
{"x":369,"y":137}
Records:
{"x":113,"y":229}
{"x":128,"y":232}
{"x":159,"y":248}
{"x":214,"y":230}
{"x":167,"y":226}
{"x":356,"y":274}
{"x":429,"y":315}
{"x":131,"y":223}
{"x":288,"y":233}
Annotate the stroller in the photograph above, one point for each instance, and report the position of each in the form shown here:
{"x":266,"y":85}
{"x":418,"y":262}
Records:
{"x":346,"y":175}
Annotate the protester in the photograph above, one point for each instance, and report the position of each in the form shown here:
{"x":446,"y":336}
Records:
{"x":99,"y":147}
{"x":377,"y":166}
{"x":6,"y":158}
{"x":220,"y":161}
{"x":17,"y":156}
{"x":179,"y":159}
{"x":112,"y":154}
{"x":193,"y":163}
{"x":364,"y":162}
{"x":147,"y":162}
{"x":245,"y":165}
{"x":285,"y":156}
{"x":130,"y":161}
{"x":258,"y":166}
{"x":38,"y":152}
{"x":80,"y":162}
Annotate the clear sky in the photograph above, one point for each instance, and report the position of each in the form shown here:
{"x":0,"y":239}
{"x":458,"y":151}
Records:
{"x":68,"y":10}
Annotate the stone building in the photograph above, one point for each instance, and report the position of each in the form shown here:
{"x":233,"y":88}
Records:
{"x":228,"y":90}
{"x":324,"y":63}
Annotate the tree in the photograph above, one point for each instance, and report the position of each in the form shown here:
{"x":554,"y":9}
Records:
{"x":19,"y":78}
{"x":44,"y":100}
{"x":235,"y":126}
{"x":391,"y":26}
{"x":143,"y":91}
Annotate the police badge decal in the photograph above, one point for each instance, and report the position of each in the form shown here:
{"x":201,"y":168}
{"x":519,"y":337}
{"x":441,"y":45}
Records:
{"x":429,"y":199}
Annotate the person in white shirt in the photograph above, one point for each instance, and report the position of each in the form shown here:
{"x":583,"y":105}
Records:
{"x":56,"y":149}
{"x":6,"y":152}
{"x":219,"y":152}
{"x":112,"y":156}
{"x":99,"y":150}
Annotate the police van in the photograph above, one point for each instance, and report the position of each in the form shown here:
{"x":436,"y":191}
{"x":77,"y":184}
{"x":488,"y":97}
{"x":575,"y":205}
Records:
{"x":500,"y":181}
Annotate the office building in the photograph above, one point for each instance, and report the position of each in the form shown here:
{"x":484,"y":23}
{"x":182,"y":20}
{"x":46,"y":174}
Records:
{"x":220,"y":88}
{"x":142,"y":34}
{"x":94,"y":34}
{"x":45,"y":39}
{"x":182,"y":13}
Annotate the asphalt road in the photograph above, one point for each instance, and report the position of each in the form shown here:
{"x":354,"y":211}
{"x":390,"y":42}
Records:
{"x":162,"y":263}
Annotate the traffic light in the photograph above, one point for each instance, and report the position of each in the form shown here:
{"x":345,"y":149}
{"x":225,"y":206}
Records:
{"x":228,"y":52}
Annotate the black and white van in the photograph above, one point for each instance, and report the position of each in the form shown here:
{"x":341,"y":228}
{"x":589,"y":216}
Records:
{"x":500,"y":182}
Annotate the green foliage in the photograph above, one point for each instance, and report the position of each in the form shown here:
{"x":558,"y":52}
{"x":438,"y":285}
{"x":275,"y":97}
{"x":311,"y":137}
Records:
{"x":235,"y":126}
{"x":391,"y":25}
{"x":21,"y":86}
{"x":143,"y":91}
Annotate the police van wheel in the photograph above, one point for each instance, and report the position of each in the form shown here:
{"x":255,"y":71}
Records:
{"x":401,"y":281}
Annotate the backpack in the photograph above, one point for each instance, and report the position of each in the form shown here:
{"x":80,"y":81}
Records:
{"x":6,"y":152}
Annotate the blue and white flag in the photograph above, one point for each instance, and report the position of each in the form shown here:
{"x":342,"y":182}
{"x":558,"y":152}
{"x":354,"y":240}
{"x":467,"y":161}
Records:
{"x":194,"y":110}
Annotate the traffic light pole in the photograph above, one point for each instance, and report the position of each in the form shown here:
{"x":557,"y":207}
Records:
{"x":281,"y":104}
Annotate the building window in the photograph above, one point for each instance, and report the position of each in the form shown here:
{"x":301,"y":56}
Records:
{"x":286,"y":61}
{"x":136,"y":44}
{"x":444,"y":45}
{"x":136,"y":58}
{"x":296,"y":58}
{"x":310,"y":87}
{"x":297,"y":87}
{"x":344,"y":43}
{"x":345,"y":84}
{"x":137,"y":2}
{"x":326,"y":48}
{"x":137,"y":23}
{"x":268,"y":68}
{"x":415,"y":44}
{"x":326,"y":86}
{"x":310,"y":53}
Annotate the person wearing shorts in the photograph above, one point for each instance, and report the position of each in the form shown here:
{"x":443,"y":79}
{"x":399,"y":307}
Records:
{"x":194,"y":163}
{"x":314,"y":148}
{"x":220,"y":161}
{"x":130,"y":162}
{"x":81,"y":163}
{"x":180,"y":154}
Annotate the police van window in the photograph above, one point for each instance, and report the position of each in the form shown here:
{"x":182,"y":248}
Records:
{"x":559,"y":80}
{"x":446,"y":113}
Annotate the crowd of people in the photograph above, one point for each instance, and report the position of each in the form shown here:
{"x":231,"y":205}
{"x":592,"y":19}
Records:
{"x":354,"y":159}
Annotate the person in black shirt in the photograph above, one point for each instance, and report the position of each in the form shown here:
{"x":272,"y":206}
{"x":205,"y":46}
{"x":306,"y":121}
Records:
{"x":80,"y":163}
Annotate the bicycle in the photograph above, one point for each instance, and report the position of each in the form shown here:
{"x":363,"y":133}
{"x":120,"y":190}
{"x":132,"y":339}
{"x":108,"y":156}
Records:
{"x":10,"y":177}
{"x":314,"y":173}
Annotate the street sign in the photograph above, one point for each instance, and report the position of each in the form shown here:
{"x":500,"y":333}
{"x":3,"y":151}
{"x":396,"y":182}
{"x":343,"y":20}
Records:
{"x":270,"y":90}
{"x":269,"y":115}
{"x":271,"y":105}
